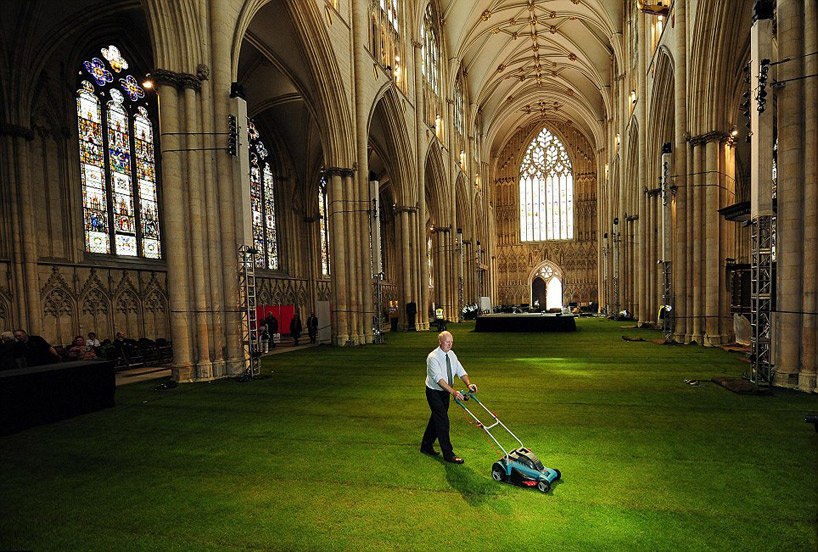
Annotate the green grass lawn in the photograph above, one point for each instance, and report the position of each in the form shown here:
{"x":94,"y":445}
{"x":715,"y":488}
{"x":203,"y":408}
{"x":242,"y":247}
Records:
{"x":323,"y":455}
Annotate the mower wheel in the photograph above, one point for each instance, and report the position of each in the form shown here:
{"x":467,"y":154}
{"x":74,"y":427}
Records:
{"x":559,"y":474}
{"x":498,"y":473}
{"x":543,"y":486}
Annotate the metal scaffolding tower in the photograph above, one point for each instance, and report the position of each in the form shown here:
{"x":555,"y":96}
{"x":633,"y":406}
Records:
{"x":667,"y":280}
{"x":247,"y":304}
{"x":762,"y":211}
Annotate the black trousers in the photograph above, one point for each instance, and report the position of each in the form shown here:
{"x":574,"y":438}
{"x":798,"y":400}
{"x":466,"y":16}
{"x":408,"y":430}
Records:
{"x":438,"y":426}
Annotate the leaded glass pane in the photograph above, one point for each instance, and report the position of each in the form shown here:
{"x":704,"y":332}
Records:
{"x":546,"y":191}
{"x":270,"y":218}
{"x":146,"y":178}
{"x":92,"y":171}
{"x":262,"y":202}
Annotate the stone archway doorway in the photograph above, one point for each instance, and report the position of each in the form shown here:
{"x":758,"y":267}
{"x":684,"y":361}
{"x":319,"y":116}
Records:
{"x":546,"y":285}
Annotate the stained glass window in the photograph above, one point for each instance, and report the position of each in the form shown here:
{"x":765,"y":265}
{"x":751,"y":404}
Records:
{"x":262,"y":202}
{"x":117,"y":160}
{"x":323,"y":225}
{"x":546,"y":191}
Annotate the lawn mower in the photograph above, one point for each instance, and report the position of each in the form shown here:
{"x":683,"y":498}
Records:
{"x":519,"y":466}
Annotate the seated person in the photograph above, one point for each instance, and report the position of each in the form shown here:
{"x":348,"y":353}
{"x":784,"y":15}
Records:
{"x":7,"y":346}
{"x":92,"y":340}
{"x":80,"y":350}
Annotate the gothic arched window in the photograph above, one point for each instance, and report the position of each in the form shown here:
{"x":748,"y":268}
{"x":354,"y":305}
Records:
{"x":323,"y":225}
{"x":459,"y":107}
{"x":385,"y":38}
{"x":262,"y":202}
{"x":546,"y":191}
{"x":117,"y":161}
{"x":430,"y":64}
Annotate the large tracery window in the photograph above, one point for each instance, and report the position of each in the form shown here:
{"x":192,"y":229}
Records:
{"x":117,"y":161}
{"x":430,"y":66}
{"x":323,"y":226}
{"x":262,"y":202}
{"x":546,"y":191}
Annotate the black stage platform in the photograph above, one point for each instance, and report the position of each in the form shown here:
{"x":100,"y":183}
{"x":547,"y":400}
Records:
{"x":525,"y":322}
{"x":44,"y":394}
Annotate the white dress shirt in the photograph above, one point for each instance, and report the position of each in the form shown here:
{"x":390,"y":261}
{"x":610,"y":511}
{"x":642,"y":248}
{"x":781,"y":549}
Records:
{"x":436,"y":368}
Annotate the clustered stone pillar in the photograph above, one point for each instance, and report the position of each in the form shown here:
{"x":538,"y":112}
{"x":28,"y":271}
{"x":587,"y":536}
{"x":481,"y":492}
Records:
{"x":338,"y":256}
{"x":16,"y":173}
{"x":681,"y":243}
{"x":796,"y":221}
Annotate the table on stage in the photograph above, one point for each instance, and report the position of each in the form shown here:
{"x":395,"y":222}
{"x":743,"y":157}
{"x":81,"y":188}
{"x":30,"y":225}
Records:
{"x":525,"y":322}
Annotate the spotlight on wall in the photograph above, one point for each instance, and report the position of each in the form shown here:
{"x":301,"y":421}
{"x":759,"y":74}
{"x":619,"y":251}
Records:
{"x":734,"y":132}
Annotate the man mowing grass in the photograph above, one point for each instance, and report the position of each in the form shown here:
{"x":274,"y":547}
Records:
{"x":441,"y":367}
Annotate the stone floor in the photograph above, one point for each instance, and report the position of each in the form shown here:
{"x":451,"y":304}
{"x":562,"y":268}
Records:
{"x":124,"y":377}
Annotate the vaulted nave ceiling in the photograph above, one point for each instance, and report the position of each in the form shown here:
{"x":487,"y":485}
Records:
{"x":536,"y":60}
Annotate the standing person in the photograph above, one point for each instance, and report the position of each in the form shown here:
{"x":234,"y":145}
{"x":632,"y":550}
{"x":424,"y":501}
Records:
{"x":296,"y":328}
{"x":264,"y":338}
{"x":34,"y":350}
{"x":272,"y":329}
{"x":312,"y":327}
{"x":441,"y":368}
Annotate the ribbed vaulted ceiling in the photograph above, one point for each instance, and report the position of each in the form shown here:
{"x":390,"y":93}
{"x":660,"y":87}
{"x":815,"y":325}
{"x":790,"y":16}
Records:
{"x":536,"y":59}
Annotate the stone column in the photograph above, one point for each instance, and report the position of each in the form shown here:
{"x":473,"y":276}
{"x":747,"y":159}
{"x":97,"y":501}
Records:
{"x":213,"y":227}
{"x":195,"y":231}
{"x":807,"y":375}
{"x":406,"y":259}
{"x":679,"y":266}
{"x":640,"y":312}
{"x":352,"y":250}
{"x":697,"y":243}
{"x":790,"y":221}
{"x":221,"y":18}
{"x":338,"y":256}
{"x":712,"y":242}
{"x":24,"y":280}
{"x":176,"y":246}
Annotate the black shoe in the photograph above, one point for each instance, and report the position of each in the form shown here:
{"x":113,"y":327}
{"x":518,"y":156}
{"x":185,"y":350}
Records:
{"x":454,"y":459}
{"x":430,"y":451}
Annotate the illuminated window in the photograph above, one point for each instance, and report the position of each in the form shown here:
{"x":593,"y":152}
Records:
{"x":430,"y":64}
{"x":459,"y":109}
{"x":385,"y":37}
{"x":262,"y":202}
{"x":323,"y":226}
{"x":546,"y":191}
{"x":117,"y":160}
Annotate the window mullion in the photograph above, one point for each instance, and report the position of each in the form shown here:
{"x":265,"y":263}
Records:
{"x":137,"y":198}
{"x":108,"y":175}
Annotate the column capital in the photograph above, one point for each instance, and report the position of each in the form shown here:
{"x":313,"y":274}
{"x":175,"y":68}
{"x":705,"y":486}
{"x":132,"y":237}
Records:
{"x":712,"y":136}
{"x":16,"y":130}
{"x":417,"y":44}
{"x":340,"y":171}
{"x":405,"y":208}
{"x":180,"y":80}
{"x":439,"y":229}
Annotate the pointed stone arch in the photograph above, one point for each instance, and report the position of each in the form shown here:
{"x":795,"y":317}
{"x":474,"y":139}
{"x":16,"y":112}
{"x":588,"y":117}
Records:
{"x":549,"y":273}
